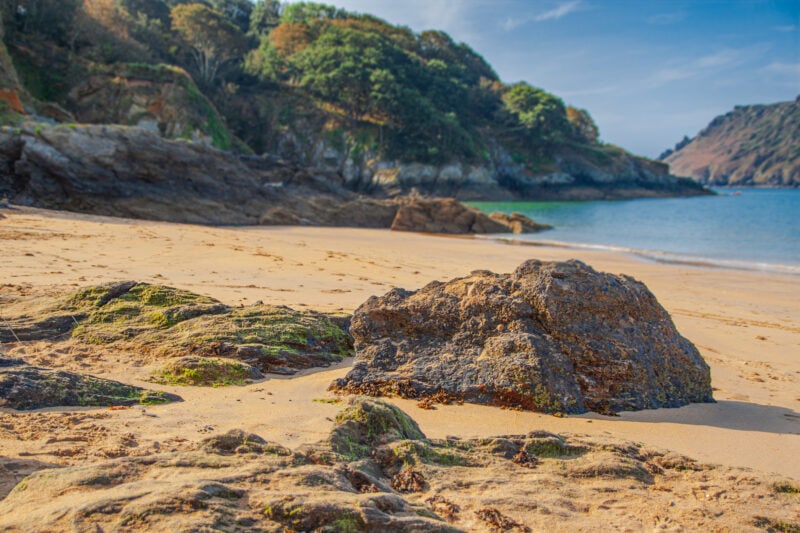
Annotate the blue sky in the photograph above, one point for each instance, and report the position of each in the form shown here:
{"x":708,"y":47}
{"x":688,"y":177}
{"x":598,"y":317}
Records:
{"x":649,"y":71}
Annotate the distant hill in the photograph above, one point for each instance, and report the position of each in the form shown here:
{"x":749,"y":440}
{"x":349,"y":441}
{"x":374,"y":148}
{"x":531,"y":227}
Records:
{"x":756,"y":145}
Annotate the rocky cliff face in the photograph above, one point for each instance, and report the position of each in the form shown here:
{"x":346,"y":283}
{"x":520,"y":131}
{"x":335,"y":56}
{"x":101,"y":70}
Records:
{"x":575,"y":173}
{"x":11,"y":91}
{"x":134,"y":172}
{"x":160,"y":98}
{"x":756,"y":145}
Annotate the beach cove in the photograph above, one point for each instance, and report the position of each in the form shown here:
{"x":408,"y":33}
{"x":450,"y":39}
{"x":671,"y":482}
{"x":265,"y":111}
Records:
{"x":745,"y":324}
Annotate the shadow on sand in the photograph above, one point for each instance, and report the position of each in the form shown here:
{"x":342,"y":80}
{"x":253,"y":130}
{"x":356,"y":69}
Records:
{"x":727,"y":414}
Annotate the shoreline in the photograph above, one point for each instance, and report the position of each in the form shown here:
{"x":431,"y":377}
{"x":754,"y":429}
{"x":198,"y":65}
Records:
{"x":746,"y":325}
{"x":658,"y":256}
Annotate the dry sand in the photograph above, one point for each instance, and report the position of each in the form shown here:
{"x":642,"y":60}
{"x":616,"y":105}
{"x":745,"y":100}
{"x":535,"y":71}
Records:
{"x":746,"y":325}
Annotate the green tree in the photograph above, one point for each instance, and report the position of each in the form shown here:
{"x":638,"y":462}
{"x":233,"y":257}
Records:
{"x":306,"y":12}
{"x":583,"y":126}
{"x":152,"y":9}
{"x":238,"y":12}
{"x":351,"y":68}
{"x":265,"y":17}
{"x":214,"y":40}
{"x":50,"y":18}
{"x":538,"y":113}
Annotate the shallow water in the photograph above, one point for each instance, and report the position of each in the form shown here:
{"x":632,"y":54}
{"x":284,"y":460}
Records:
{"x":741,"y":228}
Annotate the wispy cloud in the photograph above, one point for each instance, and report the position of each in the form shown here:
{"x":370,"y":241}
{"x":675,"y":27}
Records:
{"x":785,"y":29}
{"x":664,"y":19}
{"x":558,"y":12}
{"x":706,"y":65}
{"x":561,"y":10}
{"x":783,"y":69}
{"x":718,"y":59}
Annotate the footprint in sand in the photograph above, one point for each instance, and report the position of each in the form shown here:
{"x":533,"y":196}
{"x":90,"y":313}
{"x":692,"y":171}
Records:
{"x":754,"y":376}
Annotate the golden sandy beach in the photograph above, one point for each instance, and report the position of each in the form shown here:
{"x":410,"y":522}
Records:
{"x":745,"y":324}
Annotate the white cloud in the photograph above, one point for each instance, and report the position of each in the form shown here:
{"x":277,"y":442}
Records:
{"x":785,"y":29}
{"x":708,"y":64}
{"x":511,"y":23}
{"x":560,"y":11}
{"x":718,"y":59}
{"x":783,"y":69}
{"x":556,"y":13}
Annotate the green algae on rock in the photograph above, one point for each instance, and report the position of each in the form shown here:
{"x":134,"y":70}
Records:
{"x":364,"y":423}
{"x":206,"y":371}
{"x":165,"y":322}
{"x":26,"y":387}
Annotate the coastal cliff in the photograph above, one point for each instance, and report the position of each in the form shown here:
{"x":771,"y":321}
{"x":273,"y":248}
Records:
{"x":573,"y":172}
{"x":132,"y":172}
{"x":382,"y":110}
{"x":751,"y":146}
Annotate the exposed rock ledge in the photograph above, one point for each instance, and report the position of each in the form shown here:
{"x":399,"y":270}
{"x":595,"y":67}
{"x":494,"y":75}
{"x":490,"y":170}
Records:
{"x":376,"y":471}
{"x":131,"y":172}
{"x":552,"y":337}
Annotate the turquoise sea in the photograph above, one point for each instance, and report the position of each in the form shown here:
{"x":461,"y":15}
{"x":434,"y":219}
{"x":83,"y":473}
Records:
{"x":754,"y":229}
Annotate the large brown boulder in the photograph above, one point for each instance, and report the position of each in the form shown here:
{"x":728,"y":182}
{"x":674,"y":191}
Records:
{"x":552,"y":337}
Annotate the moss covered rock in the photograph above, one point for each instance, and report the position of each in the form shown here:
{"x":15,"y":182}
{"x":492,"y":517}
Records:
{"x":367,"y":423}
{"x":207,"y":371}
{"x":165,"y":322}
{"x":26,"y":387}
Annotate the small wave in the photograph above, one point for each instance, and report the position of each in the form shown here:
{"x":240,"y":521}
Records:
{"x":659,"y":256}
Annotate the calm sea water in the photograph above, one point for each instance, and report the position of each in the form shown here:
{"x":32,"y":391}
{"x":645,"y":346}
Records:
{"x":741,"y":228}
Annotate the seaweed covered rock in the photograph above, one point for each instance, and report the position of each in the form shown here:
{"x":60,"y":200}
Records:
{"x":206,"y":371}
{"x":26,"y":387}
{"x":161,"y":322}
{"x":237,"y":441}
{"x":366,"y":423}
{"x":552,"y":337}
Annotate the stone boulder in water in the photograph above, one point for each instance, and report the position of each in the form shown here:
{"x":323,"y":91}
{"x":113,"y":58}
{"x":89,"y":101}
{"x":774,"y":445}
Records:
{"x":552,"y":337}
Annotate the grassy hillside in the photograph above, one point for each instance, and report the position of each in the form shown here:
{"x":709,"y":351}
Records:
{"x":757,"y":145}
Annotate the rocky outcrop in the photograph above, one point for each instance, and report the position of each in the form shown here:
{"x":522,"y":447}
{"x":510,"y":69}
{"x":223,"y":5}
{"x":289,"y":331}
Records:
{"x":552,"y":337}
{"x":579,"y":172}
{"x":11,"y":91}
{"x":750,"y":146}
{"x":160,"y":98}
{"x":27,"y":387}
{"x":377,"y":472}
{"x":166,"y":323}
{"x":132,"y":172}
{"x":446,"y":215}
{"x":518,"y":223}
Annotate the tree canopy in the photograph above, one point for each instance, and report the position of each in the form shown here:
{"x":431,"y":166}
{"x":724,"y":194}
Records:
{"x":428,"y":97}
{"x":214,"y":40}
